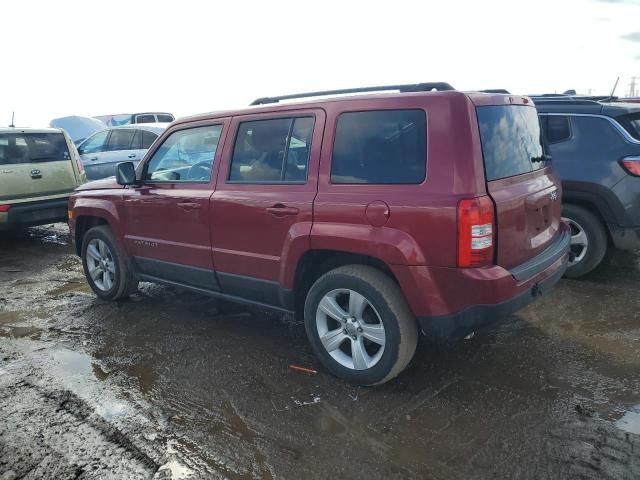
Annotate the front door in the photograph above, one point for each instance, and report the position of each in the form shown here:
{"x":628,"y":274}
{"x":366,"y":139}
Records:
{"x":166,"y":224}
{"x":262,"y":209}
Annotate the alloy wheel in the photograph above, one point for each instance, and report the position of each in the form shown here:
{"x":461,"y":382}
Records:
{"x":350,"y":329}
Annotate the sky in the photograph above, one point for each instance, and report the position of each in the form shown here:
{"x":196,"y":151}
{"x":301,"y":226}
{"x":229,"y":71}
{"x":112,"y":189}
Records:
{"x":97,"y":57}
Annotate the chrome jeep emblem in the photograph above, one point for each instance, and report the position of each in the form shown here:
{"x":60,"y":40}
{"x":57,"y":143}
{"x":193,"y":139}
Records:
{"x":554,"y":195}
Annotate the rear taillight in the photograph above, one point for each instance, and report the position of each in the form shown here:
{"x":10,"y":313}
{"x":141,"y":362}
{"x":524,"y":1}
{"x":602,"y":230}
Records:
{"x":4,"y":208}
{"x":475,"y":232}
{"x":631,"y":165}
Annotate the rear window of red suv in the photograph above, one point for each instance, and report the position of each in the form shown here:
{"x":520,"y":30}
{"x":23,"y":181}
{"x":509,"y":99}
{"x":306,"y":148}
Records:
{"x":511,"y":141}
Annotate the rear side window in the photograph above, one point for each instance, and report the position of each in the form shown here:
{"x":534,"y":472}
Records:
{"x":17,"y":148}
{"x":558,"y":129}
{"x":272,"y":151}
{"x":380,"y":147}
{"x":631,"y":124}
{"x":147,"y":138}
{"x":121,"y":139}
{"x":511,"y":140}
{"x":165,"y":118}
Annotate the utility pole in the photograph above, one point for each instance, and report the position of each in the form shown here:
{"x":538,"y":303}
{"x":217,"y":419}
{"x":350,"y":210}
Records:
{"x":632,"y":87}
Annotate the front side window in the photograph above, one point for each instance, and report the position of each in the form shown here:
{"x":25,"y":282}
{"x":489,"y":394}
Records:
{"x":185,"y":156}
{"x":121,"y":139}
{"x":272,"y":151}
{"x":95,"y":143}
{"x":380,"y":147}
{"x":16,"y":148}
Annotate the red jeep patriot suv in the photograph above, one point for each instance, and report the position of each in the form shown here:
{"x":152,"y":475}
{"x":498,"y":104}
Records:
{"x":373,"y":216}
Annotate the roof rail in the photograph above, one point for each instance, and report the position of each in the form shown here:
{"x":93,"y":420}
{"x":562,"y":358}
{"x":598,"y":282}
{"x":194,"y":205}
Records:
{"x":417,"y":87}
{"x":562,"y":100}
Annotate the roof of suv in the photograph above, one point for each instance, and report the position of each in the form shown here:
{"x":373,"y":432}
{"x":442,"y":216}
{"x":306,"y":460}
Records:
{"x":478,"y":98}
{"x":580,"y":106}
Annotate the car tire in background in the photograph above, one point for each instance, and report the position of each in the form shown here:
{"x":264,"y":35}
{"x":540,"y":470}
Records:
{"x":588,"y":240}
{"x":105,"y":265}
{"x":359,"y":325}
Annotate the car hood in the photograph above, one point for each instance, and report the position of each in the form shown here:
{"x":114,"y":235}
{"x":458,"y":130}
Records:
{"x":102,"y":184}
{"x":78,"y":128}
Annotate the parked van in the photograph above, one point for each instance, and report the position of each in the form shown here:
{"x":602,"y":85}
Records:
{"x":372,"y":217}
{"x":39,"y":168}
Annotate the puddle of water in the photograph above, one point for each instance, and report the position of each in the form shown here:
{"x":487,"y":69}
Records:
{"x":9,"y":317}
{"x":77,"y":371}
{"x":72,"y":286}
{"x":630,"y":421}
{"x":20,"y":332}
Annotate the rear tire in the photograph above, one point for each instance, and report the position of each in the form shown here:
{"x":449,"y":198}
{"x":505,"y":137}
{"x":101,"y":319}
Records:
{"x":105,"y":265}
{"x":379,"y":336}
{"x":585,"y":227}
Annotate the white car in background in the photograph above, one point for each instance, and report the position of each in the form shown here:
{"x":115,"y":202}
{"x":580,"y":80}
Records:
{"x":131,"y":118}
{"x":104,"y":150}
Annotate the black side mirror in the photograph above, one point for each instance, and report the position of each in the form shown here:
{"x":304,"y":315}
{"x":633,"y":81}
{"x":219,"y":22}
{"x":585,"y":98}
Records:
{"x":126,"y":174}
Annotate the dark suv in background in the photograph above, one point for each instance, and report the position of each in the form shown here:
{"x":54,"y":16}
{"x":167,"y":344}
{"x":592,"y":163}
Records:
{"x":595,"y":147}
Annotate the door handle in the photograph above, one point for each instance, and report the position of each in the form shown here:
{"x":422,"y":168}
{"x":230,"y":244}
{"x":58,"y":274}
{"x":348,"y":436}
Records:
{"x":188,"y":206}
{"x":93,"y":159}
{"x":281,"y":210}
{"x":133,"y":155}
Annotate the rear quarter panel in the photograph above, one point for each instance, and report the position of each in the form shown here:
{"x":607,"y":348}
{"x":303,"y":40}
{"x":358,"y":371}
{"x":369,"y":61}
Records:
{"x":422,"y":226}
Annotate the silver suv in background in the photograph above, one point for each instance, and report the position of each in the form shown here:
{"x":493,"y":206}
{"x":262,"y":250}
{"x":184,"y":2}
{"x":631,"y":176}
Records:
{"x":131,"y":118}
{"x":101,"y":152}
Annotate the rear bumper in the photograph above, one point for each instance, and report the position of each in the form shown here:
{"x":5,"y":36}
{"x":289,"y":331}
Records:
{"x":34,"y":213}
{"x":452,"y":302}
{"x":478,"y":316}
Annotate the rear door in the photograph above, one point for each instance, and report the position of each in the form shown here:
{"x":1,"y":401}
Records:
{"x":34,"y":165}
{"x":262,"y":209}
{"x":520,"y":181}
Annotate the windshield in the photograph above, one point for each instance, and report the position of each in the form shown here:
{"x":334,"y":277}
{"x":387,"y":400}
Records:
{"x":16,"y":148}
{"x":511,"y":141}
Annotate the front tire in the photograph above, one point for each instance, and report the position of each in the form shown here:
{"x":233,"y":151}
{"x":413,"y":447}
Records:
{"x":359,"y":325}
{"x":588,"y":240}
{"x":105,"y":265}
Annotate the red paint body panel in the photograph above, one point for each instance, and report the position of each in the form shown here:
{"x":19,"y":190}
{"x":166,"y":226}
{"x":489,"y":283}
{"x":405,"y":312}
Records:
{"x":410,"y":228}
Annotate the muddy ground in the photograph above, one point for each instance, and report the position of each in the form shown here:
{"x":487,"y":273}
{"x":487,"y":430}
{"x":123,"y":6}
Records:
{"x":175,"y":385}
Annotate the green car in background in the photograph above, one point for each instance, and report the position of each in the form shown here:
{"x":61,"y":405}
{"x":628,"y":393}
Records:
{"x":39,"y":169}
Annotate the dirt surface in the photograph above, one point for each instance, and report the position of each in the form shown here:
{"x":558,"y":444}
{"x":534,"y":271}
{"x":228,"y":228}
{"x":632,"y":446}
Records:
{"x":175,"y":385}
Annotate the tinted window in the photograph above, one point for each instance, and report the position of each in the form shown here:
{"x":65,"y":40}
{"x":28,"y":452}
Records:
{"x":165,"y":118}
{"x":121,"y":140}
{"x":146,"y":118}
{"x":380,"y":147}
{"x":631,"y":124}
{"x":558,"y":128}
{"x":275,"y":150}
{"x":511,"y":140}
{"x":95,"y":143}
{"x":18,"y":148}
{"x":185,"y":156}
{"x":147,"y":138}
